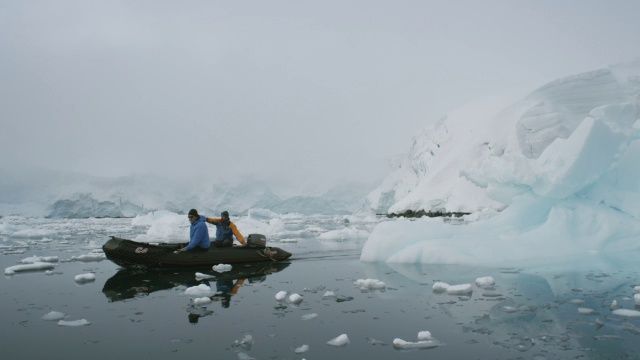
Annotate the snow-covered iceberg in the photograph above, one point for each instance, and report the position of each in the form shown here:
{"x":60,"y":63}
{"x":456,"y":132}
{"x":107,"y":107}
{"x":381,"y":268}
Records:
{"x":555,"y":174}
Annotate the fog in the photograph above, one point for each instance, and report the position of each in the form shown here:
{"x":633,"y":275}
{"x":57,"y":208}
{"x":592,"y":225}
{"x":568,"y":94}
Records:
{"x":293,"y":91}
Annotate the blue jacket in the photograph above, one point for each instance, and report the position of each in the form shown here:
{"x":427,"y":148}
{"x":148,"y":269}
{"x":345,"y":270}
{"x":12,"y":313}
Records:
{"x":199,"y":234}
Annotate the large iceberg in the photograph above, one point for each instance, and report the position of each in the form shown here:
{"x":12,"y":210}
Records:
{"x":555,"y":174}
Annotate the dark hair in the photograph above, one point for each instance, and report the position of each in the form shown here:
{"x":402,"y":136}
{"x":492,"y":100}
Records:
{"x":224,"y":214}
{"x":193,"y":212}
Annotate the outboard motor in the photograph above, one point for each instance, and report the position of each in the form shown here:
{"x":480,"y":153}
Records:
{"x":257,"y":240}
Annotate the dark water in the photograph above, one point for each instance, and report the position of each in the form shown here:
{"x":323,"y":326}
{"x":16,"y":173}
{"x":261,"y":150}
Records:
{"x":530,"y":313}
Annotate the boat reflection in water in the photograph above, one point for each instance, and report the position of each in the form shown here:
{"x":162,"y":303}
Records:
{"x":137,"y":282}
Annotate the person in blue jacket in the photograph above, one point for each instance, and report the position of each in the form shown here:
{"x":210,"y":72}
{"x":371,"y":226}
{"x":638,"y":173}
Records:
{"x":198,"y":234}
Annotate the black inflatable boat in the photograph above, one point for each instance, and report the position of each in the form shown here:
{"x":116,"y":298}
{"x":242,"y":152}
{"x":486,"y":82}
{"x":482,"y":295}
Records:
{"x":128,"y":253}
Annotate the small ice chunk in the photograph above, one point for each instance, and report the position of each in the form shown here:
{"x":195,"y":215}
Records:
{"x":53,"y":316}
{"x":245,"y":356}
{"x":510,"y":309}
{"x":222,"y":267}
{"x":28,"y":267}
{"x":485,"y":281}
{"x":459,"y":289}
{"x":341,"y":340}
{"x":301,"y":349}
{"x":636,"y":289}
{"x":309,"y":316}
{"x":636,"y":298}
{"x":295,"y":298}
{"x":576,"y":301}
{"x":626,"y":312}
{"x":80,"y":322}
{"x":89,"y":257}
{"x":198,"y":291}
{"x":440,"y":286}
{"x":85,"y":278}
{"x":369,"y":284}
{"x":200,"y":276}
{"x":202,"y":301}
{"x":281,"y":295}
{"x":35,"y":259}
{"x":614,"y":305}
{"x":424,"y":335}
{"x":585,"y":311}
{"x":425,"y":344}
{"x":329,"y":294}
{"x":246,"y":342}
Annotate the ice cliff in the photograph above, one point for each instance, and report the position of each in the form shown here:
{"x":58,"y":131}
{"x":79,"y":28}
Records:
{"x":550,"y":176}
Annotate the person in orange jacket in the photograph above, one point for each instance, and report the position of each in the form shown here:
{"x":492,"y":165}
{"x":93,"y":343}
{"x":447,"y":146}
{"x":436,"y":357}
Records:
{"x":225,"y":230}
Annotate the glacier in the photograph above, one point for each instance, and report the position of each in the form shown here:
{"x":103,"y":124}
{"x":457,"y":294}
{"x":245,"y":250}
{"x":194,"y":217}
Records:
{"x":551,"y":176}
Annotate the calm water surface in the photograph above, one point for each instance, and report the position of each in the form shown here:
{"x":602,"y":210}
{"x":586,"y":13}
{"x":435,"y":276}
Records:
{"x":530,"y":313}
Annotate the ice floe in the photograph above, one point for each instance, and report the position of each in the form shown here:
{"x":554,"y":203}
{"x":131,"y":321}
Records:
{"x":369,"y":284}
{"x":28,"y":267}
{"x":222,"y":268}
{"x":341,"y":340}
{"x":85,"y":278}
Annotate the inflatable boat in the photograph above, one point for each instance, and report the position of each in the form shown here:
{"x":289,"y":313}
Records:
{"x":128,"y":253}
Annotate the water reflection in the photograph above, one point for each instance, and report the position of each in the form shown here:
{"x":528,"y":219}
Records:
{"x":544,"y":310}
{"x":132,"y":283}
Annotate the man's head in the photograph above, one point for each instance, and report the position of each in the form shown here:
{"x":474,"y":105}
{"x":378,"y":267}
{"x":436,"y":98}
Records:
{"x":193,"y":215}
{"x":224,"y":215}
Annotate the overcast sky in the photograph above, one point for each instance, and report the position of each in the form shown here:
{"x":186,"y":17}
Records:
{"x":294,"y":89}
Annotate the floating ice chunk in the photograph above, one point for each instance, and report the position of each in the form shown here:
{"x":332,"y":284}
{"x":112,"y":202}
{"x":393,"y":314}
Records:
{"x":93,"y":256}
{"x":459,"y":289}
{"x":424,"y":335}
{"x":341,"y":340}
{"x":301,"y":349}
{"x":246,"y":342}
{"x":425,"y":344}
{"x":636,"y":298}
{"x":202,"y":301}
{"x":576,"y":301}
{"x":439,"y":287}
{"x":626,"y":312}
{"x":485,"y":281}
{"x":510,"y":309}
{"x":636,"y":289}
{"x":80,"y":322}
{"x":222,"y":268}
{"x":85,"y":278}
{"x":614,"y":305}
{"x":329,"y":294}
{"x":198,"y":291}
{"x":586,"y":311}
{"x":281,"y":295}
{"x":245,"y":356}
{"x":35,"y":259}
{"x":369,"y":284}
{"x":53,"y":316}
{"x":309,"y":316}
{"x":201,"y":276}
{"x":295,"y":298}
{"x":28,"y":267}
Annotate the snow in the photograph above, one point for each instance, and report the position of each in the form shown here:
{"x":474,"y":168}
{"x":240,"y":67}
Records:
{"x":550,"y":176}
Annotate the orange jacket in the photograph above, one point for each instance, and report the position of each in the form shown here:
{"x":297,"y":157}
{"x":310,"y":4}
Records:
{"x":233,"y":227}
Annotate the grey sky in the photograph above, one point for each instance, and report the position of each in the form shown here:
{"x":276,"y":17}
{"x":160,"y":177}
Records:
{"x":293,"y":89}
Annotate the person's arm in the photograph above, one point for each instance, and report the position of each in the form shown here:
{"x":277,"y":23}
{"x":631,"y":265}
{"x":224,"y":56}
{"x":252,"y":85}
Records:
{"x":239,"y":236}
{"x":213,"y":220}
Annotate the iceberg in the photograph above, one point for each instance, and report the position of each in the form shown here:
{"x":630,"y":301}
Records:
{"x":551,"y":176}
